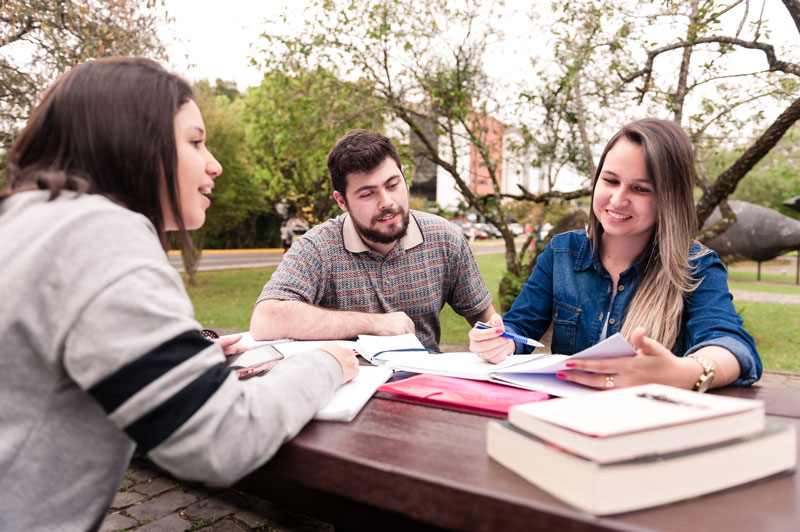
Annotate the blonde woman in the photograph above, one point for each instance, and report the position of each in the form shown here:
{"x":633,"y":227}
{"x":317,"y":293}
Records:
{"x":636,"y":270}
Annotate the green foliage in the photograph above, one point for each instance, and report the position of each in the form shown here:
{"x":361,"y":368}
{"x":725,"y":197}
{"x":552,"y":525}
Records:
{"x":40,"y":39}
{"x":291,"y":123}
{"x":424,"y":61}
{"x":510,"y":287}
{"x":773,"y":180}
{"x":237,"y":199}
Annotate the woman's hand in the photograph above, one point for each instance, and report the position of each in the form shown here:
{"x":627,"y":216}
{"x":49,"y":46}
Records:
{"x":652,"y":363}
{"x":346,"y":358}
{"x":488,"y":344}
{"x":229,"y":345}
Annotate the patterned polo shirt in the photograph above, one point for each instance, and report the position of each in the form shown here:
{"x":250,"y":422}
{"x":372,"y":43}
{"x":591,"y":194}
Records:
{"x":331,"y":267}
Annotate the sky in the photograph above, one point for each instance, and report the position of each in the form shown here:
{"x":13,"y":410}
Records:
{"x":206,"y":42}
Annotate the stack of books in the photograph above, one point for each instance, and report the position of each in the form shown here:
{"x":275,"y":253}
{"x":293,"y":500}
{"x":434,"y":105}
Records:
{"x":632,"y":448}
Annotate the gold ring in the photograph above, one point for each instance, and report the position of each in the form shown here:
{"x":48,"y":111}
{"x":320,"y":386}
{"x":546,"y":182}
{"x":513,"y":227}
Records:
{"x":609,"y":381}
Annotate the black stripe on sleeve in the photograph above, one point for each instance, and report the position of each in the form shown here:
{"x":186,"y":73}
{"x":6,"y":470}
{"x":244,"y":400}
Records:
{"x":156,"y":426}
{"x":121,"y":385}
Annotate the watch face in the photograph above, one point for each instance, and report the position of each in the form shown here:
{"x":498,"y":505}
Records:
{"x":705,"y":382}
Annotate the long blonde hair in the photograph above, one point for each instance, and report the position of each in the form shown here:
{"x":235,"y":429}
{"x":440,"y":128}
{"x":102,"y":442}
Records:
{"x":665,"y":275}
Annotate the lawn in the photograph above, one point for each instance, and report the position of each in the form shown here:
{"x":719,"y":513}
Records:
{"x":225,"y":299}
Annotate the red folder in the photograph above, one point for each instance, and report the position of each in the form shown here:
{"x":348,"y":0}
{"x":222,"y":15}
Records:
{"x":460,"y":394}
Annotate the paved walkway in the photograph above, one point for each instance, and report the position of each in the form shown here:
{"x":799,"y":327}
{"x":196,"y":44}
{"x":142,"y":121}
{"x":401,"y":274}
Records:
{"x":149,"y":500}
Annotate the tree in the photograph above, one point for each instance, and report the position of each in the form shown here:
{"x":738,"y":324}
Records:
{"x":237,"y":199}
{"x":424,"y":61}
{"x":39,"y":39}
{"x":608,"y":66}
{"x":292,"y":120}
{"x":695,"y":75}
{"x":774,"y":179}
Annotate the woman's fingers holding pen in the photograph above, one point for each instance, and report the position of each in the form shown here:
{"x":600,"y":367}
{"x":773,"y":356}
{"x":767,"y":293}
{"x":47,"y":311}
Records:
{"x":497,"y":354}
{"x":488,"y":343}
{"x":495,"y":320}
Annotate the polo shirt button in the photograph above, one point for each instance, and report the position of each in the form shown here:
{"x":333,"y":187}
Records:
{"x":612,"y":321}
{"x":621,"y":288}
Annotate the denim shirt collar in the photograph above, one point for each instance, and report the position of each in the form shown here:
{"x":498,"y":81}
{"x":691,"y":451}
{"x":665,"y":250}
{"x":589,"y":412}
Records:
{"x":586,"y":256}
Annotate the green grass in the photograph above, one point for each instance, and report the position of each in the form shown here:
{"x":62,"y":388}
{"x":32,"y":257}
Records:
{"x":769,"y":277}
{"x":224,"y":299}
{"x":733,"y":284}
{"x":454,"y":327}
{"x":775,"y":329}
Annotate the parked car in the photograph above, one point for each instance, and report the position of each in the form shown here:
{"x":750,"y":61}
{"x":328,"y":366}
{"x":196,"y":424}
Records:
{"x":490,"y":230}
{"x":471,"y":231}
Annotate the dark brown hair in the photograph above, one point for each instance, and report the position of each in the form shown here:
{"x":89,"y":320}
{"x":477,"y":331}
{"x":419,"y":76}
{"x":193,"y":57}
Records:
{"x":358,"y":150}
{"x":106,"y":127}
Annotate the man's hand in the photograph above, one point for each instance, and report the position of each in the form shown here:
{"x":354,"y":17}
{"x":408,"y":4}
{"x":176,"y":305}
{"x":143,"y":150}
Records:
{"x":488,"y":344}
{"x":390,"y":324}
{"x":346,"y":358}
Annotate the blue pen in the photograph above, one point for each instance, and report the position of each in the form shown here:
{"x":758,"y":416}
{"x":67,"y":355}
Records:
{"x":516,"y":337}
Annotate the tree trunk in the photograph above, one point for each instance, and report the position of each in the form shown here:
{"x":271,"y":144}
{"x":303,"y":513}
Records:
{"x":190,"y":255}
{"x":728,"y":179}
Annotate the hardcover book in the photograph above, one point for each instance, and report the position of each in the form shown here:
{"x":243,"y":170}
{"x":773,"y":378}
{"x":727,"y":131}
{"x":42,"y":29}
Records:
{"x":638,"y":421}
{"x":629,"y":485}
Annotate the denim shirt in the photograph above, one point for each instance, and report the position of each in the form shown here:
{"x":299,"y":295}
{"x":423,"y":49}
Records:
{"x":570,"y":287}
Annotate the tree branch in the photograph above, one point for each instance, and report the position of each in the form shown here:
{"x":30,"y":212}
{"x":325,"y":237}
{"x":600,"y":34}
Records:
{"x":774,"y":63}
{"x":728,"y":180}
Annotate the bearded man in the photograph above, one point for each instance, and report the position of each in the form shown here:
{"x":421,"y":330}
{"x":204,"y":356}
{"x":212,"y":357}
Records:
{"x":379,"y":268}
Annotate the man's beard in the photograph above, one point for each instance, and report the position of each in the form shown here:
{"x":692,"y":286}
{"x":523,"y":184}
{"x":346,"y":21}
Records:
{"x":381,"y":237}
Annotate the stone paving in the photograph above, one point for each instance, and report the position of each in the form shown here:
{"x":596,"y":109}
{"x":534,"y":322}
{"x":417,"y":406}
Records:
{"x":149,"y":500}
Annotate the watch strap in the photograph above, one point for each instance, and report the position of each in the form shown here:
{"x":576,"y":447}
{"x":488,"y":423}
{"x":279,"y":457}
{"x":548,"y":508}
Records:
{"x":704,"y":381}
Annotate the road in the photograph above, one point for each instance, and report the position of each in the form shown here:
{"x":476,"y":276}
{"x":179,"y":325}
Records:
{"x":216,"y":259}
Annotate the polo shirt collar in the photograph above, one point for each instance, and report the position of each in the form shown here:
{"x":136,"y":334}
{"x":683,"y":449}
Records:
{"x":355,"y":244}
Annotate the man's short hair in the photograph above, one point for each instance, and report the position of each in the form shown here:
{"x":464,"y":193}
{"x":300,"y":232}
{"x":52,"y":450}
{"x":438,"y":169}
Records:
{"x":358,"y":150}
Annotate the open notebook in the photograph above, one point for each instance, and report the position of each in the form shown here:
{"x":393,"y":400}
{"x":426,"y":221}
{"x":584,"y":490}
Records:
{"x":347,"y":401}
{"x":532,"y":372}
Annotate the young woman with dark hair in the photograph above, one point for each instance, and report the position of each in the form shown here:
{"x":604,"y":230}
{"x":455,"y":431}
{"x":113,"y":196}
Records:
{"x":101,"y":352}
{"x":637,"y":270}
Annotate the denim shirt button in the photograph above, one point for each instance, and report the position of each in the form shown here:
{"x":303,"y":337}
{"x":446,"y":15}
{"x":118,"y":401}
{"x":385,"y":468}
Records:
{"x":621,"y":288}
{"x":612,"y":321}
